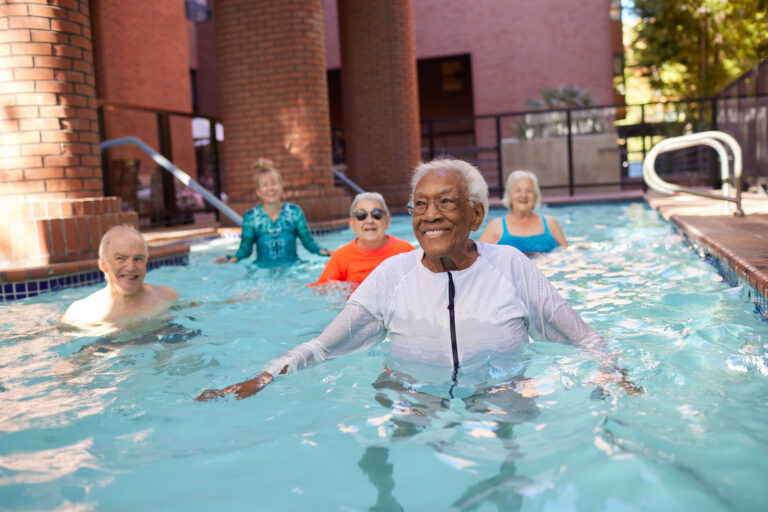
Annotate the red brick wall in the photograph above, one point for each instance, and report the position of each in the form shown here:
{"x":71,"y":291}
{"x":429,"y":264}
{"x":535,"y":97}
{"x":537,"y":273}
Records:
{"x":142,"y":57}
{"x":517,"y":47}
{"x":50,"y":231}
{"x":207,"y":68}
{"x":49,"y":145}
{"x":380,"y":95}
{"x":274,"y":103}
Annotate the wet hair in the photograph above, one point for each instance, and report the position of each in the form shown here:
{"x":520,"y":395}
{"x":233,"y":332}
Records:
{"x":114,"y":231}
{"x":477,"y":188}
{"x":262,"y":166}
{"x":517,"y":175}
{"x":368,"y":196}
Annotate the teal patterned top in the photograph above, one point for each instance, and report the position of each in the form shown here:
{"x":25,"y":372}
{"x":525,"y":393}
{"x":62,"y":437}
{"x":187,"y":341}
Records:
{"x":275,"y":240}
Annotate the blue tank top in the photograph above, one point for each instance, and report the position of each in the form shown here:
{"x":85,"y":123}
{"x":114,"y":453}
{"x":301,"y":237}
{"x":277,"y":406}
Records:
{"x":543,"y":242}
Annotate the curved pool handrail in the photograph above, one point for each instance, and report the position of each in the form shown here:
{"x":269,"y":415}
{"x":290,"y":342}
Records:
{"x":712,"y":139}
{"x":180,"y":175}
{"x":348,"y":182}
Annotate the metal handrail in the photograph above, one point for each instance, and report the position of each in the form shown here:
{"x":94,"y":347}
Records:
{"x":348,"y":182}
{"x":180,"y":175}
{"x":709,"y":138}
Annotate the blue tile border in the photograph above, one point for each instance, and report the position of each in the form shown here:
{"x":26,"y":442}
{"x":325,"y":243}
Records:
{"x":733,"y":279}
{"x":34,"y":287}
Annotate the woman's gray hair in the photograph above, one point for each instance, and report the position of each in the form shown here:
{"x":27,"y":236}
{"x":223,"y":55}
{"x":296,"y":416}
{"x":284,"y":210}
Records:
{"x":518,"y":175}
{"x":368,"y":196}
{"x":477,"y":188}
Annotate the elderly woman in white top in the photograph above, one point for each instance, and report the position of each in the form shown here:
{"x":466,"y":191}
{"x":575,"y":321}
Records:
{"x":449,"y":302}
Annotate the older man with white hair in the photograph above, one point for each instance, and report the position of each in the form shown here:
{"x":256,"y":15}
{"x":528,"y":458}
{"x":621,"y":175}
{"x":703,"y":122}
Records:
{"x":126,"y":299}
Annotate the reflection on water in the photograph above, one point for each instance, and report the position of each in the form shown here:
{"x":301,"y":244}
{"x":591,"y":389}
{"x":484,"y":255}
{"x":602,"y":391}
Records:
{"x":46,"y":465}
{"x":87,"y":420}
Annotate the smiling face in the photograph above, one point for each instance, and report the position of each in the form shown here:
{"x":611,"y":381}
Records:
{"x":444,"y":235}
{"x":269,"y":187}
{"x":371,"y":233}
{"x":125,"y":263}
{"x":522,"y":195}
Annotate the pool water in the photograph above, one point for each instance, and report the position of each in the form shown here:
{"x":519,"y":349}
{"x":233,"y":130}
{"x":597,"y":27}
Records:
{"x":111,"y":424}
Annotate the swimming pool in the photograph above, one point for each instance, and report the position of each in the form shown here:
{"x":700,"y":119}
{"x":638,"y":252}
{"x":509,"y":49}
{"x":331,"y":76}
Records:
{"x":115,"y":427}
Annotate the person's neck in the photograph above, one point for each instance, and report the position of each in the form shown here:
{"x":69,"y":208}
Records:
{"x":448,"y":263}
{"x":273,"y":208}
{"x":523,"y":215}
{"x":372,"y":246}
{"x":119,"y":296}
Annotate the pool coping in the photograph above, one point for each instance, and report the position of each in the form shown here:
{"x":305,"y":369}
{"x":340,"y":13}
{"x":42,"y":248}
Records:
{"x":739,"y":243}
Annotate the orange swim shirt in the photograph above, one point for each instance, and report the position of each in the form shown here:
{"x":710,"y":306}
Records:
{"x":352,"y":264}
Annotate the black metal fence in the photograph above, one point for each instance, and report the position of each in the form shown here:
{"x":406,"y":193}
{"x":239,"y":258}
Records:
{"x":573,"y":151}
{"x":601,"y":148}
{"x":742,"y":112}
{"x":579,"y":150}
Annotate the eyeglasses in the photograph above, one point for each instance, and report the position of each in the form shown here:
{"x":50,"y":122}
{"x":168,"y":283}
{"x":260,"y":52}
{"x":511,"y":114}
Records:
{"x":442,"y":203}
{"x":376,"y":213}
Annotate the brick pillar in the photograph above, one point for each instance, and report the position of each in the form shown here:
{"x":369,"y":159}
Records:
{"x":49,"y":142}
{"x":274,"y":102}
{"x":380,"y":95}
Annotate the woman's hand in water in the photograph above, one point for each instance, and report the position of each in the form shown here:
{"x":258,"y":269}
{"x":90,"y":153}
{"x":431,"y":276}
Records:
{"x":241,"y":389}
{"x":223,"y":259}
{"x":325,"y":252}
{"x":619,"y":377}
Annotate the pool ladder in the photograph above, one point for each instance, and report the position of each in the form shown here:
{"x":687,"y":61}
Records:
{"x":709,"y":138}
{"x":177,"y":173}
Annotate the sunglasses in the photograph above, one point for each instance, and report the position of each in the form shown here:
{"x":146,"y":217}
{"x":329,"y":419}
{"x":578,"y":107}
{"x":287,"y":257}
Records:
{"x":376,"y":213}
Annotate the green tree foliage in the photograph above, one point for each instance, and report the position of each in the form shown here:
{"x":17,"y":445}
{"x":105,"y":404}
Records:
{"x":694,"y":48}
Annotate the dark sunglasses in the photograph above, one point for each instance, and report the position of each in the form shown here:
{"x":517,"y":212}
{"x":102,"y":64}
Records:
{"x":376,"y":213}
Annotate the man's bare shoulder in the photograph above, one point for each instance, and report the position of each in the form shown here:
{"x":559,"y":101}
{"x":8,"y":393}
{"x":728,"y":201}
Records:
{"x":162,"y":292}
{"x":87,"y":310}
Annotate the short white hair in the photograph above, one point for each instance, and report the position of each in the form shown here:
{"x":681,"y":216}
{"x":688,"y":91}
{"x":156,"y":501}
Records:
{"x":368,"y":196}
{"x":117,"y":230}
{"x":477,"y":188}
{"x":519,"y":175}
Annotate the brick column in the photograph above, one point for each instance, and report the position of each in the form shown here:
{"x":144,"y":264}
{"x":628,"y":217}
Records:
{"x":380,"y":95}
{"x":49,"y":142}
{"x":274,"y":101}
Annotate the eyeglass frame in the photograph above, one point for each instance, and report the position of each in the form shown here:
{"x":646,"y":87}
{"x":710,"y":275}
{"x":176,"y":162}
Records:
{"x":372,"y":214}
{"x":412,"y":211}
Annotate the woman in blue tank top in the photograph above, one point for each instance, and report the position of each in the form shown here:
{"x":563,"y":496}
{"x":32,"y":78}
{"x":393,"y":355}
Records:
{"x":521,"y":227}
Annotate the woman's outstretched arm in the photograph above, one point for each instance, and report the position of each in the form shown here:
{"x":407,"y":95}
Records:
{"x":354,"y":330}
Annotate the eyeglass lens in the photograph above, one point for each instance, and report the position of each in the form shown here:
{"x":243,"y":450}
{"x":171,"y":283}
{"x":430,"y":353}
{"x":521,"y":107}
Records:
{"x":443,"y":204}
{"x":376,"y":213}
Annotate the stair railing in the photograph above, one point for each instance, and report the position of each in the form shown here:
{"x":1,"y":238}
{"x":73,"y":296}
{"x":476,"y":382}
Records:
{"x":180,"y":175}
{"x":709,"y":138}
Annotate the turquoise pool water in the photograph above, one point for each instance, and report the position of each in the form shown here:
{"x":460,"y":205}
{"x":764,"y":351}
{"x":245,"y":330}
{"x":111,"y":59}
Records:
{"x":115,"y":427}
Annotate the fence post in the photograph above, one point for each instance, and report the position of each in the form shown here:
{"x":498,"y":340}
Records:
{"x":104,"y":158}
{"x":215,"y":161}
{"x":570,"y":153}
{"x":166,"y":149}
{"x":431,"y":135}
{"x":499,"y":156}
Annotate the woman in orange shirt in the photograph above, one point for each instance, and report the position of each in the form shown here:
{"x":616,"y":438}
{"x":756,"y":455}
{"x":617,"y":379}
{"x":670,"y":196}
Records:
{"x":369,"y":219}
